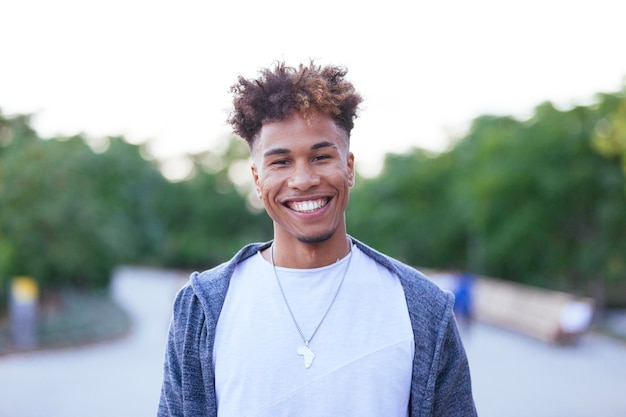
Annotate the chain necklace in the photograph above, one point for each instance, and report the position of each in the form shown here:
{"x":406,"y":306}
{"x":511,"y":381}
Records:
{"x":305,"y":351}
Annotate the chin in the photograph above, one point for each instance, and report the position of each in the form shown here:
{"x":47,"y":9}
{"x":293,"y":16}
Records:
{"x":320,"y":238}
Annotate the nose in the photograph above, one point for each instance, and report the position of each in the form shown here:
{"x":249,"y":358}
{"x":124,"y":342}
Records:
{"x":303,"y":177}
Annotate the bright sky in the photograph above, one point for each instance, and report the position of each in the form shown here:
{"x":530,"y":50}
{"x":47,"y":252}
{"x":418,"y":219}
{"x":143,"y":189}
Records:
{"x":160,"y":70}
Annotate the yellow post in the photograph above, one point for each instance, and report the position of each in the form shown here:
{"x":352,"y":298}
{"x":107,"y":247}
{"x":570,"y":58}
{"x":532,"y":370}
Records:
{"x":23,"y":310}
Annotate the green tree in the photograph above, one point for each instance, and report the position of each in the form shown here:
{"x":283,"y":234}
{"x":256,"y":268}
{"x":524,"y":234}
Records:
{"x":406,"y":211}
{"x":531,"y":201}
{"x":206,"y":217}
{"x":540,"y":190}
{"x":70,"y":215}
{"x":610,"y":133}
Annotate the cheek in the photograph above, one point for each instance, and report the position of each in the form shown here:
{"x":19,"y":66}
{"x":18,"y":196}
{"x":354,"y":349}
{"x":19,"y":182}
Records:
{"x":264,"y":184}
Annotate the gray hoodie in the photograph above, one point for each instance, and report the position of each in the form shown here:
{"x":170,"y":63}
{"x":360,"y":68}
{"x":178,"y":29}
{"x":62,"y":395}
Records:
{"x":440,"y":384}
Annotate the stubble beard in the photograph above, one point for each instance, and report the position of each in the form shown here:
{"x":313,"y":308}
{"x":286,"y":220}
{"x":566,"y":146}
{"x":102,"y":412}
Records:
{"x":316,"y":239}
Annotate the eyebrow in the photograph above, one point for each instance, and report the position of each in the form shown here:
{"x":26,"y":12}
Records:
{"x":285,"y":151}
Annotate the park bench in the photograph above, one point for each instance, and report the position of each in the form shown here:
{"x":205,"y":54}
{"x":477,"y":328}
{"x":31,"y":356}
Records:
{"x":550,"y":316}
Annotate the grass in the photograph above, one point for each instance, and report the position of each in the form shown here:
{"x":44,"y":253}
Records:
{"x":70,"y":318}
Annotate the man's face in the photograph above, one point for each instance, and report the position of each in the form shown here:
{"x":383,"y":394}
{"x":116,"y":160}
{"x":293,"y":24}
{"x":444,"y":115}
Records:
{"x":303,"y":171}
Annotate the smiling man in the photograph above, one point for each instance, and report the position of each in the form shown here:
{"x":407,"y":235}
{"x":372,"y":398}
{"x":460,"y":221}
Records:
{"x":313,"y":322}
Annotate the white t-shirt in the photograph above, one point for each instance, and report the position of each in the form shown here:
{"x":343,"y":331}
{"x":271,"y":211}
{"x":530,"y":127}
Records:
{"x":363,"y":349}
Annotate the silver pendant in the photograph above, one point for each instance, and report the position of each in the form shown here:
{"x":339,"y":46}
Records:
{"x":308,"y":355}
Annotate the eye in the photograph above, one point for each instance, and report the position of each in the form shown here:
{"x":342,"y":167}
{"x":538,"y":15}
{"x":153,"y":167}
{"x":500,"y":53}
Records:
{"x":321,"y":157}
{"x":280,"y":162}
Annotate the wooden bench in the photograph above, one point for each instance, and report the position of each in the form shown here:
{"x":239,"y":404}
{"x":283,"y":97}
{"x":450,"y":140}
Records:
{"x":536,"y":312}
{"x":551,"y":316}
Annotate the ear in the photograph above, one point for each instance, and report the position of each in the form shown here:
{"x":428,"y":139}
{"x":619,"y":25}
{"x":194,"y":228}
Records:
{"x":255,"y":177}
{"x":350,"y":161}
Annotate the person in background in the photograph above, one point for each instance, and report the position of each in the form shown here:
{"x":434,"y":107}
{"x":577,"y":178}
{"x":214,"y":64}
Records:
{"x":313,"y":322}
{"x":463,"y":293}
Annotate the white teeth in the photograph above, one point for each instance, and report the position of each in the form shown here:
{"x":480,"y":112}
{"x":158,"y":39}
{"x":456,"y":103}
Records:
{"x":307,"y":206}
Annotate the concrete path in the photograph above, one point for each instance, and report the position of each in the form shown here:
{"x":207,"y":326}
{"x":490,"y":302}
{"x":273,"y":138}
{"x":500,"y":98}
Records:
{"x":114,"y":379}
{"x":513,"y":376}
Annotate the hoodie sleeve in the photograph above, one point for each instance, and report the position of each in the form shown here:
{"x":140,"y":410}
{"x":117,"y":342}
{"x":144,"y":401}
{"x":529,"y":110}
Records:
{"x":453,"y":388}
{"x":184,"y":390}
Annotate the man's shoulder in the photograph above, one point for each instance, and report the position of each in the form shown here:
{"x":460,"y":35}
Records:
{"x":226,"y":269}
{"x":417,"y":286}
{"x":210,"y":286}
{"x":402,"y":269}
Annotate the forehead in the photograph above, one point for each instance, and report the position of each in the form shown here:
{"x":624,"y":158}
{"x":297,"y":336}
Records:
{"x":296,"y":131}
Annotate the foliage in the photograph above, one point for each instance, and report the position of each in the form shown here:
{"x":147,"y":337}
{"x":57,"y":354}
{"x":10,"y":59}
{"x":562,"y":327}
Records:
{"x":405,"y":211}
{"x":539,"y":201}
{"x":206,"y":217}
{"x":69,"y":215}
{"x":610,"y":133}
{"x":531,"y":201}
{"x":70,"y":318}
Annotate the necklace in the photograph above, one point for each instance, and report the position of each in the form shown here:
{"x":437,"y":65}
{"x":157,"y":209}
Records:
{"x":305,"y":351}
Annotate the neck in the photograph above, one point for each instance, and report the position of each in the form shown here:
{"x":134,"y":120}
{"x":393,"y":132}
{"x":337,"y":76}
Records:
{"x":300,"y":255}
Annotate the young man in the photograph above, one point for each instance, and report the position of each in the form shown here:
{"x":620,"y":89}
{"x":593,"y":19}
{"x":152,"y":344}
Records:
{"x":314,"y":322}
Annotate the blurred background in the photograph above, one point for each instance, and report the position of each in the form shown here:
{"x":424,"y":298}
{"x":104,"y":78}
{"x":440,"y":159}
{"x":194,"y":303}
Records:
{"x":491,"y":146}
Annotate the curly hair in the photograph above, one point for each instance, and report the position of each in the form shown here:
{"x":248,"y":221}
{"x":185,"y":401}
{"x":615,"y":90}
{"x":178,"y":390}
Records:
{"x":283,"y":90}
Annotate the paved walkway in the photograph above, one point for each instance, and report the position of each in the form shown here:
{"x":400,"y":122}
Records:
{"x":513,"y":376}
{"x":114,"y":379}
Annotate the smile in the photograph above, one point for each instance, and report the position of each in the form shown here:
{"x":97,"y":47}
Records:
{"x":308,"y":206}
